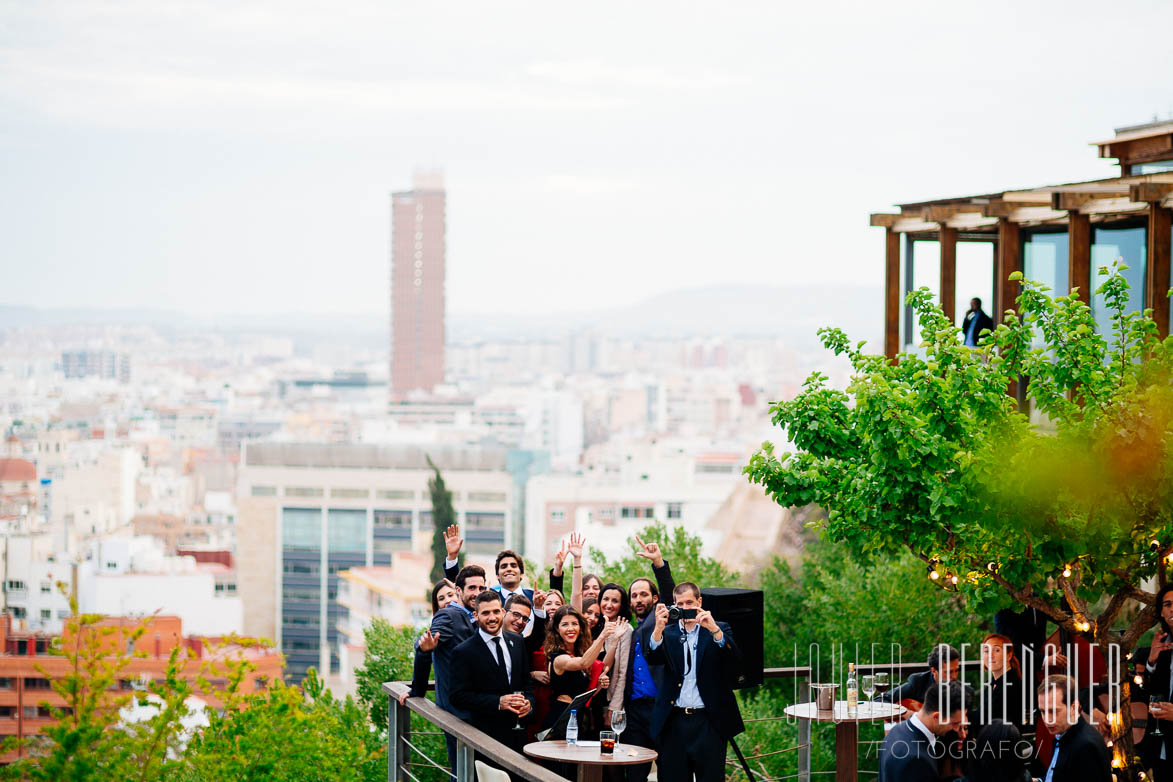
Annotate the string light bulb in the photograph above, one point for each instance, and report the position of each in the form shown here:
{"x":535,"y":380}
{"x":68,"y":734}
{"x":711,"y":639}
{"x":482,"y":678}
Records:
{"x":1067,"y":571}
{"x":991,"y":566}
{"x":954,"y":579}
{"x":933,"y":573}
{"x":1138,"y":680}
{"x":1154,"y":544}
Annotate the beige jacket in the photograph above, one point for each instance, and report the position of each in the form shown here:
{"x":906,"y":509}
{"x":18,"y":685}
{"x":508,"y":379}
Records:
{"x":622,"y":646}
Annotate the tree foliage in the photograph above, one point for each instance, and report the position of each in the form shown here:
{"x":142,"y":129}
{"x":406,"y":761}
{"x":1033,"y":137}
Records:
{"x":681,"y":550}
{"x":930,"y":454}
{"x":389,"y":658}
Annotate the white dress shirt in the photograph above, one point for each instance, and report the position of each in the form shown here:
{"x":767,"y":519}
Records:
{"x":914,"y":720}
{"x":489,"y":642}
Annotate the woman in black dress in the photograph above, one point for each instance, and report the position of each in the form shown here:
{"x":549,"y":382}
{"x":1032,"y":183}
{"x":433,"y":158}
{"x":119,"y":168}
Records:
{"x":570,"y":653}
{"x":1002,"y":693}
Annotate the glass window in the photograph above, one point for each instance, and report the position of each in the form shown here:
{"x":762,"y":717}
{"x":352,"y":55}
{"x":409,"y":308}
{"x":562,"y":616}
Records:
{"x":1045,"y":258}
{"x":303,"y":491}
{"x":350,"y":494}
{"x":674,"y":510}
{"x":974,"y":278}
{"x":301,"y":527}
{"x":395,"y":494}
{"x":1108,"y":244}
{"x":486,"y":496}
{"x":926,"y":273}
{"x":347,"y":530}
{"x":264,"y":491}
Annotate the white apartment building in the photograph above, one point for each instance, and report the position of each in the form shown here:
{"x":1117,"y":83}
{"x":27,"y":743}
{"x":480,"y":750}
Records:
{"x":621,"y":490}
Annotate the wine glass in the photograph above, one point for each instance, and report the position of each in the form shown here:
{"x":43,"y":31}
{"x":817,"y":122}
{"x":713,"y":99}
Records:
{"x":517,"y":722}
{"x":1153,"y":701}
{"x":882,"y":682}
{"x":618,"y":723}
{"x":869,"y":686}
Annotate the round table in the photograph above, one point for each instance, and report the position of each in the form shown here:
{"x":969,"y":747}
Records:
{"x":846,"y":729}
{"x":590,"y":760}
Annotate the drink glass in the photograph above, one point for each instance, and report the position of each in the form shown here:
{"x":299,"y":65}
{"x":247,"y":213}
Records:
{"x":607,"y":740}
{"x":869,"y":686}
{"x":618,"y":723}
{"x":517,"y":722}
{"x":1153,"y":701}
{"x":882,"y":682}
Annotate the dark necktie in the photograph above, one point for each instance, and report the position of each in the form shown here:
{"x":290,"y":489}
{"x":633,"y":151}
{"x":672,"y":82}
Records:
{"x":501,"y":658}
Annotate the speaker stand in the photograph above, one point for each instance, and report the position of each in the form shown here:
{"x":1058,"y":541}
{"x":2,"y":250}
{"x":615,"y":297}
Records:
{"x":741,"y":759}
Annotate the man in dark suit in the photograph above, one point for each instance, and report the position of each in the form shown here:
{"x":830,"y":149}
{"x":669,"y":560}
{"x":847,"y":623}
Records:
{"x":696,"y":713}
{"x":452,"y":545}
{"x":644,"y":679}
{"x":975,"y":323}
{"x":1080,"y":752}
{"x":911,"y":749}
{"x":510,"y":569}
{"x":451,"y":626}
{"x":488,"y":669}
{"x":1158,"y":681}
{"x":944,"y":667}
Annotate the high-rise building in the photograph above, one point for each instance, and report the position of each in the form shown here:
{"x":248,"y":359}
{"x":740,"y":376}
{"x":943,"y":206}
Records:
{"x":417,"y":286}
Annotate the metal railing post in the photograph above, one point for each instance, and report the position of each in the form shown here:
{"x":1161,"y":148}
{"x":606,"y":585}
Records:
{"x":398,"y":728}
{"x":804,"y":735}
{"x":465,"y":770}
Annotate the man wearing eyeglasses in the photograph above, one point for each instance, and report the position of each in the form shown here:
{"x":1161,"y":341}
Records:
{"x":518,"y":612}
{"x":696,"y":713}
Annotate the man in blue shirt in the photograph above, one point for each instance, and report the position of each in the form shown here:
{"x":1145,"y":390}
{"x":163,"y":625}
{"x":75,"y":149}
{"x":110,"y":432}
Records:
{"x":975,"y":323}
{"x":696,"y":713}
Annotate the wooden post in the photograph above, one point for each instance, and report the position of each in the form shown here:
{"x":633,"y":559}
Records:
{"x":1009,"y":261}
{"x":1079,"y":255}
{"x":1157,"y":278}
{"x":891,"y":293}
{"x":948,"y":239}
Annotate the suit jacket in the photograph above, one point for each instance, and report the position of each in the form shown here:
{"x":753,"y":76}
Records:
{"x":451,"y":573}
{"x":1158,"y":683}
{"x":421,"y":671}
{"x":478,"y":684}
{"x":716,"y":671}
{"x":905,"y":756}
{"x":916,"y":688}
{"x":983,"y":322}
{"x":453,"y":625}
{"x":643,"y":633}
{"x":1083,"y":755}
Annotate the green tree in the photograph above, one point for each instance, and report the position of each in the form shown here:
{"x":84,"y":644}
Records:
{"x":680,"y":549}
{"x":442,"y":517}
{"x":929,"y":454}
{"x":286,"y":734}
{"x":390,"y":655}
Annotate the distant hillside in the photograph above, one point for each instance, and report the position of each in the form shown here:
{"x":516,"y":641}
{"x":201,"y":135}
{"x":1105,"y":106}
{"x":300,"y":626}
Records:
{"x":793,"y":313}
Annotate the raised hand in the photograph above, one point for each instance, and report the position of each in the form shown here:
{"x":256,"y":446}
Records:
{"x":576,"y":543}
{"x":452,"y":541}
{"x":428,"y":642}
{"x":604,"y":681}
{"x":650,"y":551}
{"x":1160,"y":644}
{"x":539,"y":599}
{"x":560,"y":559}
{"x":706,"y":620}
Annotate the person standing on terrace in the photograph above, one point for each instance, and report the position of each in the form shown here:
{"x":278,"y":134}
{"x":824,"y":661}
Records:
{"x":975,"y":323}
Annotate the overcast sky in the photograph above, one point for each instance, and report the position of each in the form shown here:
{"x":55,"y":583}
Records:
{"x":239,"y":156}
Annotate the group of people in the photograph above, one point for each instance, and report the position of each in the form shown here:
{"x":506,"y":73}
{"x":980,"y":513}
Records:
{"x":509,"y":660}
{"x":989,"y":735}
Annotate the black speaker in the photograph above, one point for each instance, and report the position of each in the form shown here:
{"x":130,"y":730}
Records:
{"x":741,"y":609}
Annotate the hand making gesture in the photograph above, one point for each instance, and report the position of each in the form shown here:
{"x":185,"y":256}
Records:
{"x":452,"y":541}
{"x":1161,"y":642}
{"x":705,"y":619}
{"x":428,"y":642}
{"x":576,"y":543}
{"x":560,"y":559}
{"x":650,"y":551}
{"x":539,"y":599}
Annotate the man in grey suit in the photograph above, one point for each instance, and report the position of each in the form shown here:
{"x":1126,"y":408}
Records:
{"x":911,"y":749}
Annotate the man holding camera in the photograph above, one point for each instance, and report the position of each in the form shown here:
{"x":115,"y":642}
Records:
{"x":696,"y":713}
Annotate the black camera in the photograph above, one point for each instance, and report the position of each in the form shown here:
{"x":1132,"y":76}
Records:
{"x":676,"y":613}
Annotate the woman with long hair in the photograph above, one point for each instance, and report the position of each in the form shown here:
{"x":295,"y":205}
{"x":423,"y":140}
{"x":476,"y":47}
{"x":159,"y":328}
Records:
{"x":571,"y":652}
{"x":443,"y":594}
{"x":1002,"y":693}
{"x":1000,"y":755}
{"x":615,"y":605}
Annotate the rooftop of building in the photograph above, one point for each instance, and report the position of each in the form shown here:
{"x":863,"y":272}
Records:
{"x":373,"y":457}
{"x":17,"y":470}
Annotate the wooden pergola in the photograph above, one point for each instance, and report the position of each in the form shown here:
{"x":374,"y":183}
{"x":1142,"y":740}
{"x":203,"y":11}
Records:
{"x":1001,"y":217}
